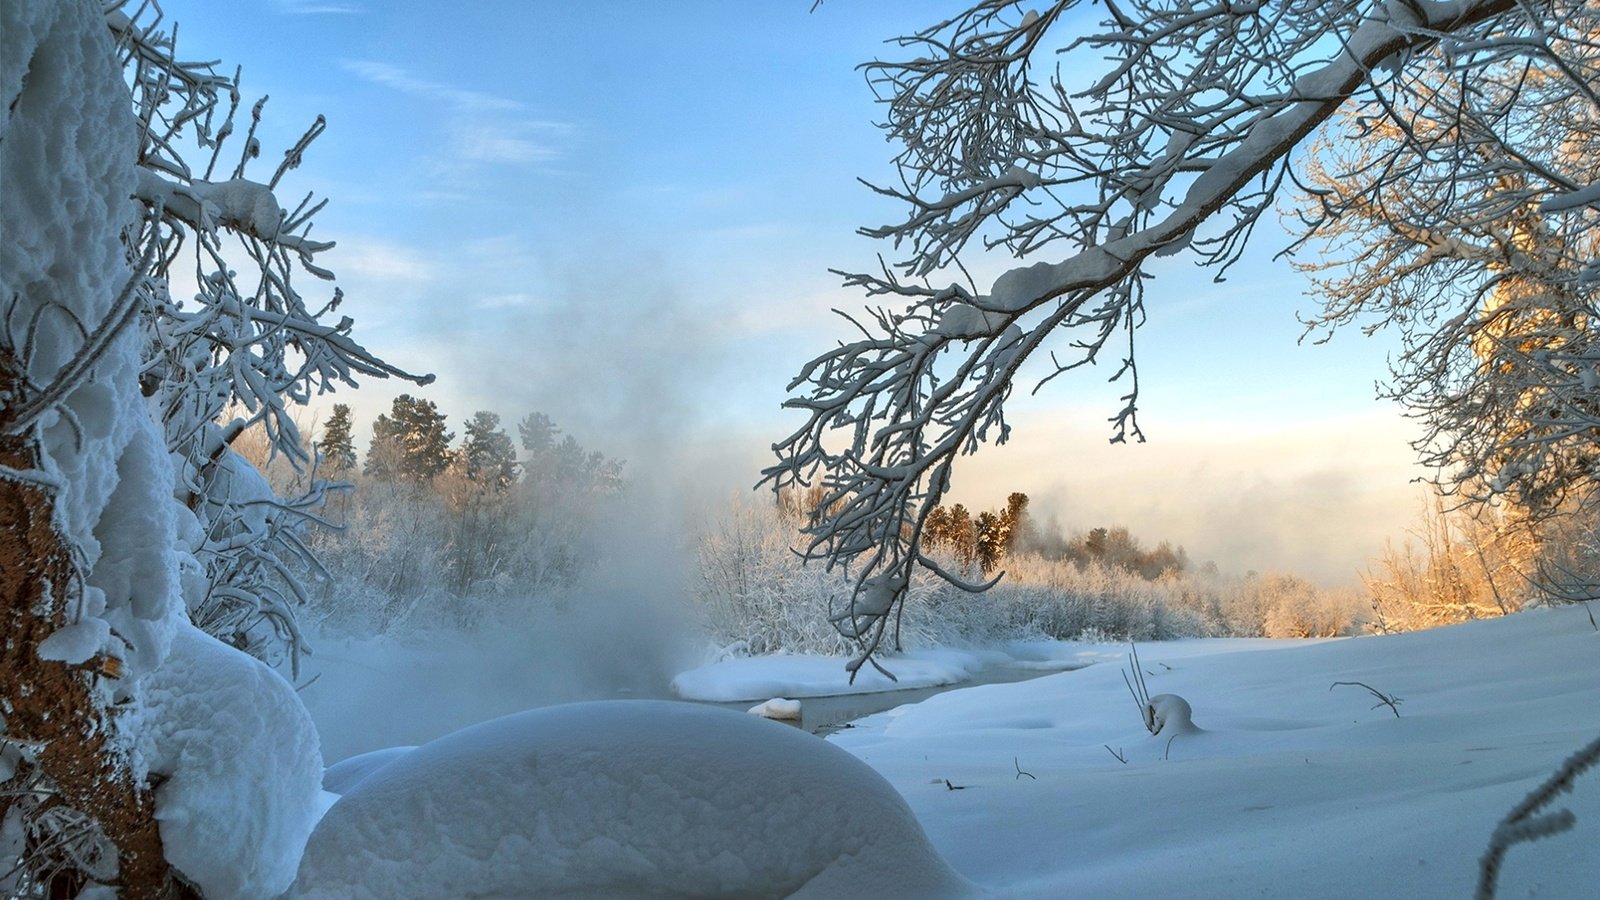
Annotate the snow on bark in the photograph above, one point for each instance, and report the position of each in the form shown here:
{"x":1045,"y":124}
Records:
{"x":95,"y":549}
{"x":238,"y":765}
{"x":73,"y":436}
{"x":624,"y":799}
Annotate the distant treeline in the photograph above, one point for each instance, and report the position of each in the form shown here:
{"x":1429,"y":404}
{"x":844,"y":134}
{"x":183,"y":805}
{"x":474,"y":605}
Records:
{"x":985,"y":540}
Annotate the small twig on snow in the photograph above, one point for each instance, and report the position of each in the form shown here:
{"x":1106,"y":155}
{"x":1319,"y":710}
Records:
{"x":1388,"y":700}
{"x":1117,"y":753}
{"x":1020,"y":773}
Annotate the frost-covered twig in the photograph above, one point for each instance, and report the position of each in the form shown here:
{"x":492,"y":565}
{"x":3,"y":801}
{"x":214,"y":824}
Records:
{"x":1526,"y":822}
{"x":1388,"y":700}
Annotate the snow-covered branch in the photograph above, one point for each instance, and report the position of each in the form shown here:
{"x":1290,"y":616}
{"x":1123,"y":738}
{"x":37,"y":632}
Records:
{"x":1178,"y":145}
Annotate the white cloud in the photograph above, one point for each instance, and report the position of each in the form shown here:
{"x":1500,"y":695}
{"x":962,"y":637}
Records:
{"x":398,"y":79}
{"x":505,"y":301}
{"x":518,"y":142}
{"x":315,"y":8}
{"x":379,"y":261}
{"x":483,"y":128}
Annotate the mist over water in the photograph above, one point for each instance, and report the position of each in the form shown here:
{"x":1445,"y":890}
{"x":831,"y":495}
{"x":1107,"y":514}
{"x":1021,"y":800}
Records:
{"x":623,"y":363}
{"x":629,"y":363}
{"x":623,"y":630}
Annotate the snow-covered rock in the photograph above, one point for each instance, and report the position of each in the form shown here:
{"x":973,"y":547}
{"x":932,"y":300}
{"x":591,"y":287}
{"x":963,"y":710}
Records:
{"x":624,"y":798}
{"x":777,"y":708}
{"x":239,"y":771}
{"x":1169,"y":714}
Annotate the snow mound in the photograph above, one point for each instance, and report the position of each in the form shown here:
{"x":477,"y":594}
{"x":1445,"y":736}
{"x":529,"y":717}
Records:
{"x":241,"y":768}
{"x":1169,"y":714}
{"x":624,"y":798}
{"x":345,"y":774}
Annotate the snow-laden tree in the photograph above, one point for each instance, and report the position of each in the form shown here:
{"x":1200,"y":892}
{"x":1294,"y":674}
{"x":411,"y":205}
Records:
{"x":1452,"y":222}
{"x":134,"y":743}
{"x":487,"y":454}
{"x":1099,"y":141}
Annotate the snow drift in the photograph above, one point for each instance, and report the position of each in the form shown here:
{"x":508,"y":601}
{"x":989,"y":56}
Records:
{"x":624,"y":799}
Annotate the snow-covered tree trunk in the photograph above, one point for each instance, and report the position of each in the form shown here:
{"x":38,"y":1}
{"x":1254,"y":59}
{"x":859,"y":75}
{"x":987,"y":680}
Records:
{"x":69,"y":420}
{"x":132,"y":745}
{"x":53,"y":705}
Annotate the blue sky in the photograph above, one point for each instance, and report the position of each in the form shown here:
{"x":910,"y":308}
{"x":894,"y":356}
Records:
{"x":623,"y":214}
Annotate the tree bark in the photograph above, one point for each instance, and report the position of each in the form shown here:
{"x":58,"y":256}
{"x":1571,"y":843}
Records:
{"x":53,"y":704}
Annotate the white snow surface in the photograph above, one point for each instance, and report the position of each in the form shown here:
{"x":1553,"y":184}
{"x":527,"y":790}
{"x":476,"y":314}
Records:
{"x":345,"y":774}
{"x":777,"y":708}
{"x":626,"y":798}
{"x":1291,"y":789}
{"x":810,"y":675}
{"x":242,"y":771}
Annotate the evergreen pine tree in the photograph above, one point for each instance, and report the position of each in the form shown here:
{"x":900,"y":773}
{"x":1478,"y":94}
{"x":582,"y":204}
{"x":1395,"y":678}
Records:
{"x":410,"y":443}
{"x":989,"y":545}
{"x":538,"y":435}
{"x":1014,"y":521}
{"x":963,"y":535}
{"x":487,"y":451}
{"x":338,"y":448}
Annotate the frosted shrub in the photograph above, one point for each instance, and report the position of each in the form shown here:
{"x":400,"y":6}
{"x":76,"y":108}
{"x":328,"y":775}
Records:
{"x":757,"y":596}
{"x":1304,"y":611}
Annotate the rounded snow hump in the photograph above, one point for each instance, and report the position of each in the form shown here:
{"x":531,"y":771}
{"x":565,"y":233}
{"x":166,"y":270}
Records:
{"x":625,"y":798}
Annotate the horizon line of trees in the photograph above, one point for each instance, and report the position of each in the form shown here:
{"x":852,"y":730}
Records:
{"x":411,"y":444}
{"x":984,"y":541}
{"x":426,"y":527}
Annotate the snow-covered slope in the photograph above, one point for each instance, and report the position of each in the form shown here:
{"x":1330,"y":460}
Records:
{"x":1290,"y":788}
{"x":623,"y":799}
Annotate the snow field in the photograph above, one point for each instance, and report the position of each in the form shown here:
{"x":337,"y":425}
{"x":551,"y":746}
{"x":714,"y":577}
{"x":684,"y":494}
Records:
{"x":1289,"y":789}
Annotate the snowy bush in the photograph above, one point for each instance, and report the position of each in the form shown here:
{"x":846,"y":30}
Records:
{"x":236,"y":758}
{"x":757,"y":595}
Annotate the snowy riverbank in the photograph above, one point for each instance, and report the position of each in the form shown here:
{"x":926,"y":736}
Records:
{"x":1289,"y":785}
{"x":1290,"y":789}
{"x":802,"y":675}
